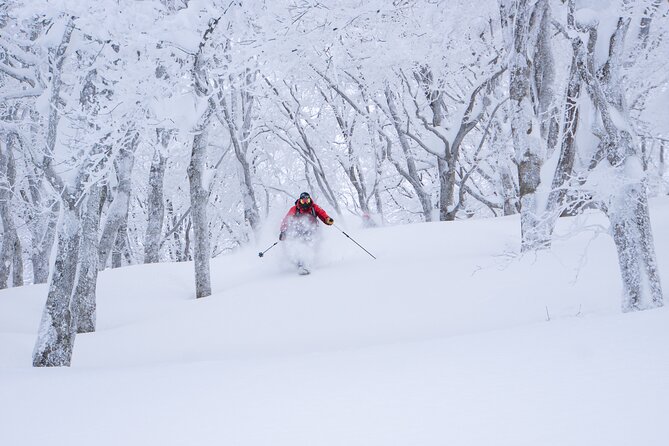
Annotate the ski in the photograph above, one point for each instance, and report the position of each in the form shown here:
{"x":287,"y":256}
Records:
{"x":302,"y":270}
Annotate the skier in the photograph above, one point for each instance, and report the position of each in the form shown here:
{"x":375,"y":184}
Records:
{"x":299,"y":227}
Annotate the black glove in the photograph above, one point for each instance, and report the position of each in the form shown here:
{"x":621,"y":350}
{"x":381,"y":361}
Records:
{"x":329,"y":221}
{"x":282,"y":236}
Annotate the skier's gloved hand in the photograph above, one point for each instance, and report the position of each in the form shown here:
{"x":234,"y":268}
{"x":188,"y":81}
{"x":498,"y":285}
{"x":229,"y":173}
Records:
{"x":282,"y":236}
{"x":329,"y":221}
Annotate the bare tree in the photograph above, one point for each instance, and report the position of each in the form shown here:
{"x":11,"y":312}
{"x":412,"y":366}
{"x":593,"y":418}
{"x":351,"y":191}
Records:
{"x":199,"y":193}
{"x":411,"y":172}
{"x":199,"y":196}
{"x":351,"y":162}
{"x":303,"y":143}
{"x":21,"y":63}
{"x":55,"y":339}
{"x":237,"y":104}
{"x":467,"y":118}
{"x":625,"y":201}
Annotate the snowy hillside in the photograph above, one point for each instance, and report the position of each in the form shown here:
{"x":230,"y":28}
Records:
{"x":447,"y":338}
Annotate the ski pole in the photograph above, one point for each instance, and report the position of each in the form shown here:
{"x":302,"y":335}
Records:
{"x":260,"y":254}
{"x":350,"y":238}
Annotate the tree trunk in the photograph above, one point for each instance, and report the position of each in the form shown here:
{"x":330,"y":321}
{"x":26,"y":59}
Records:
{"x":543,"y":78}
{"x":662,"y":165}
{"x":631,"y":231}
{"x":378,"y":161}
{"x":17,"y":269}
{"x":185,"y":255}
{"x":55,"y":339}
{"x":351,"y":166}
{"x":445,"y":169}
{"x":198,"y":198}
{"x":120,"y":245}
{"x":10,"y":252}
{"x":557,"y":198}
{"x":17,"y":260}
{"x":156,"y":205}
{"x":46,"y":239}
{"x":84,"y":294}
{"x":118,"y":211}
{"x":526,"y":128}
{"x":508,"y":192}
{"x":411,"y":173}
{"x":251,"y":211}
{"x":630,"y":226}
{"x":43,"y":225}
{"x":357,"y":179}
{"x":10,"y":240}
{"x":240,"y":134}
{"x":43,"y":243}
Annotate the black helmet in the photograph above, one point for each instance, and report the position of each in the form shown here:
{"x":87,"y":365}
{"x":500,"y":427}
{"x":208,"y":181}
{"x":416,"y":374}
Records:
{"x":304,"y":202}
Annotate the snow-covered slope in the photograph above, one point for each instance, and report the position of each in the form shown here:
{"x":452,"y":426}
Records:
{"x":447,"y":338}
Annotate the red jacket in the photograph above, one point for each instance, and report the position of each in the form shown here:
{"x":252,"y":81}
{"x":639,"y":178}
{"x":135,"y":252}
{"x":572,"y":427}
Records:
{"x":313,"y":212}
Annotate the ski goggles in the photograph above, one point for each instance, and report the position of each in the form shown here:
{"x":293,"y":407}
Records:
{"x":305,"y":201}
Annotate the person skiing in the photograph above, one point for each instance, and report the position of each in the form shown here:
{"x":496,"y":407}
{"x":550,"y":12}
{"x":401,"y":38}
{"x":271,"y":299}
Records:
{"x":299,"y":228}
{"x":301,"y":221}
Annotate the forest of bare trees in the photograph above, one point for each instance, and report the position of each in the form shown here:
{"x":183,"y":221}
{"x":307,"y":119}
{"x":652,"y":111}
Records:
{"x":142,"y":132}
